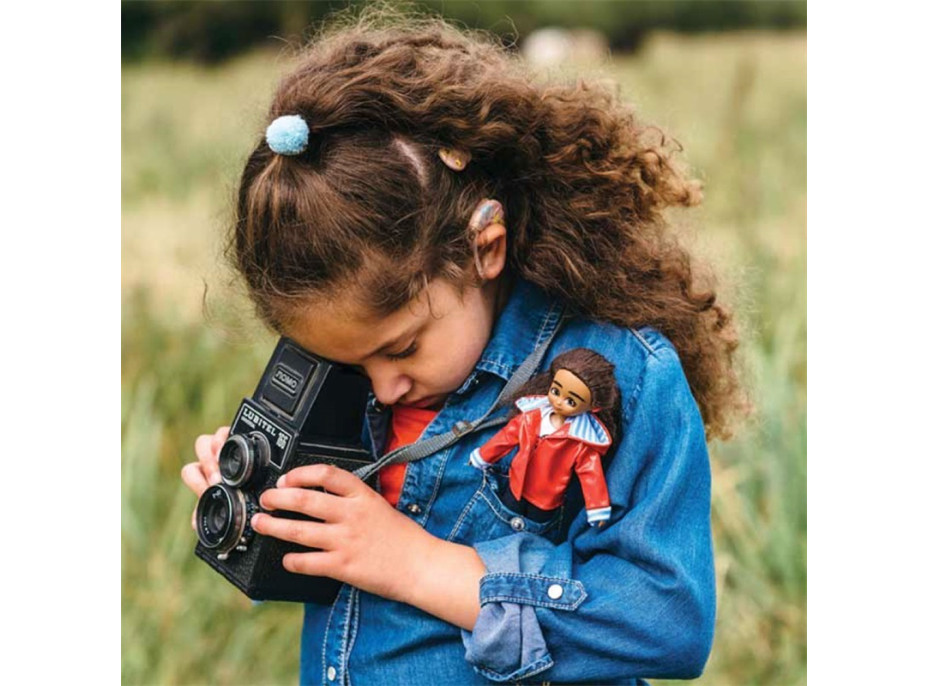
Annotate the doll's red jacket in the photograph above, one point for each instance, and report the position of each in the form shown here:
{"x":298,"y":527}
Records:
{"x":542,"y":467}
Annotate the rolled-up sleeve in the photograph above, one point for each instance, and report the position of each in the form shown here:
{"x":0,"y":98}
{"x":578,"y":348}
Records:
{"x":633,"y":599}
{"x":507,"y":642}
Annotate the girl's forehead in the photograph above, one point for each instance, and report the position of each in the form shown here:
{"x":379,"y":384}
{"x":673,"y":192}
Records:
{"x":339,"y":328}
{"x":342,"y":328}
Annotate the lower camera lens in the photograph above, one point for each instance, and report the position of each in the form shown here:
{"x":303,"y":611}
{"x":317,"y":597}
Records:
{"x":217,"y":517}
{"x":222,"y":517}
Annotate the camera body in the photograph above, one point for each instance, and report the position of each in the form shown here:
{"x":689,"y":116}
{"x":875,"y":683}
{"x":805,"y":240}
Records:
{"x":305,"y":410}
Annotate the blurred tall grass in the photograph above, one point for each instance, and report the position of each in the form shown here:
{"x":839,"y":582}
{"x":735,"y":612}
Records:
{"x":737,"y":102}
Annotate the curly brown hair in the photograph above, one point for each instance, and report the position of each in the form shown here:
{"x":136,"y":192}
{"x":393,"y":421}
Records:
{"x":370,"y":205}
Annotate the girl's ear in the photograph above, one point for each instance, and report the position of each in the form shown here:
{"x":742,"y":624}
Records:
{"x":490,"y":251}
{"x":486,"y":232}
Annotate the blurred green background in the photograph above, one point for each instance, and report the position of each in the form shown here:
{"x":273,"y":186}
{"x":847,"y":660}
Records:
{"x":191,"y":348}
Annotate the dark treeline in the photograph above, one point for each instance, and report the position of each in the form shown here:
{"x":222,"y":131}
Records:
{"x":209,"y":31}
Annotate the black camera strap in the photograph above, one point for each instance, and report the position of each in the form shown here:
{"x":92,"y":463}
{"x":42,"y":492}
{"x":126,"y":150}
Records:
{"x":420,"y":449}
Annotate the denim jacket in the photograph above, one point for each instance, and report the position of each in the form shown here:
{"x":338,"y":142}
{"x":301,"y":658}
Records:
{"x":561,"y":601}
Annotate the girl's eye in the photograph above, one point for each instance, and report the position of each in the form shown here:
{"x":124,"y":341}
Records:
{"x":404,"y":353}
{"x":571,"y":402}
{"x":357,"y":368}
{"x":554,"y":391}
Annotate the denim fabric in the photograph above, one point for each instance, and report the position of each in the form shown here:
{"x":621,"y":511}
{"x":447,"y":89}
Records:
{"x":561,"y":601}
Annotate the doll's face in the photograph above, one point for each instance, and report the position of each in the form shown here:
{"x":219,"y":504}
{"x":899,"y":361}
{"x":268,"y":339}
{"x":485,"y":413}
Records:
{"x":568,"y":395}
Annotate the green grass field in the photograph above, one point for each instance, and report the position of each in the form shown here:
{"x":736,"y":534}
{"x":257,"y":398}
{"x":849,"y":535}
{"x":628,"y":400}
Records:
{"x":737,"y":103}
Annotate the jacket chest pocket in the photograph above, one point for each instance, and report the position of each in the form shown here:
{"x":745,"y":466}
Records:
{"x":485,"y":517}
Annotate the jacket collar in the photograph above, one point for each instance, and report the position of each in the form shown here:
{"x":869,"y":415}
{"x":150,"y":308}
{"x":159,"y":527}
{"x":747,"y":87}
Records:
{"x":584,"y":427}
{"x":529,"y":318}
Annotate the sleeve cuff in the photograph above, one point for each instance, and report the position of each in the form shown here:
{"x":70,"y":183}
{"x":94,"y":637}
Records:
{"x":507,"y":642}
{"x":598,"y":514}
{"x":477,"y":461}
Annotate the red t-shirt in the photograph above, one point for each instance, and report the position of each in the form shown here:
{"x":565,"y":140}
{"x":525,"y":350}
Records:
{"x":407,"y":425}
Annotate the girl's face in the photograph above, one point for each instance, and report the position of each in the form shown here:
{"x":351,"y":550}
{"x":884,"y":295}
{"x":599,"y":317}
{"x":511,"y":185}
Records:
{"x":416,"y":356}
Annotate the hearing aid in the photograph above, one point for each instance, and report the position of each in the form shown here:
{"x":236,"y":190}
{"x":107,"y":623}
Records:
{"x":488,"y":212}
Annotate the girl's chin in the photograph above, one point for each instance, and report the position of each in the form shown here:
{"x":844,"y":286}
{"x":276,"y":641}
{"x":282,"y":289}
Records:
{"x":429,"y":402}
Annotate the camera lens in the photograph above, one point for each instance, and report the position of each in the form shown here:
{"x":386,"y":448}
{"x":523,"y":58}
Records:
{"x":217,"y":517}
{"x":240,"y":455}
{"x":222,"y":516}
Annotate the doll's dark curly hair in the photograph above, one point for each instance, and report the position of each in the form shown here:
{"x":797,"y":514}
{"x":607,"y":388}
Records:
{"x":369,"y":204}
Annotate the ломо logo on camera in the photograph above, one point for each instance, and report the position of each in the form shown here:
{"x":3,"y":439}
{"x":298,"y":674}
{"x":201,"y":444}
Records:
{"x":287,"y":380}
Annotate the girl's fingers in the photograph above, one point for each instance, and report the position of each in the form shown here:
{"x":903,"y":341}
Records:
{"x":222,"y":433}
{"x":203,"y":447}
{"x":326,"y":476}
{"x":204,"y":473}
{"x":316,"y":563}
{"x":309,"y":502}
{"x":193,"y":476}
{"x":209,"y":462}
{"x":310,"y":534}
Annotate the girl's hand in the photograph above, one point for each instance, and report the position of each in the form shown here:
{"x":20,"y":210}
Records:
{"x":204,"y":473}
{"x":362,"y":539}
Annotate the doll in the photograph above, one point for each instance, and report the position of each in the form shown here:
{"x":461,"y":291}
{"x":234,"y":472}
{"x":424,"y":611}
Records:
{"x":564,"y":424}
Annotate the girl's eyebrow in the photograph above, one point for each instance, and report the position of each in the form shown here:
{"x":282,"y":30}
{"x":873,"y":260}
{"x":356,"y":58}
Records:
{"x":389,"y":344}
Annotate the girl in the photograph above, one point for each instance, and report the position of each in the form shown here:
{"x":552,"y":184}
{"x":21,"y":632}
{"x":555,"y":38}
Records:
{"x":420,"y":208}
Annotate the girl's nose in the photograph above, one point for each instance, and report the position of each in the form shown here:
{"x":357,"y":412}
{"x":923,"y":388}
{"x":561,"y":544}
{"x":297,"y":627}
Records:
{"x":388,"y":386}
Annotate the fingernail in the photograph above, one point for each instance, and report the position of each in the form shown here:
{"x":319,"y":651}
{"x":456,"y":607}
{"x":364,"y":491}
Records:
{"x":280,"y":481}
{"x":215,"y":479}
{"x":254,"y":520}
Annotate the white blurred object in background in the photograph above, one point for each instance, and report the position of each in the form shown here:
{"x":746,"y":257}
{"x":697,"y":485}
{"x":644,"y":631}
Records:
{"x":552,"y":46}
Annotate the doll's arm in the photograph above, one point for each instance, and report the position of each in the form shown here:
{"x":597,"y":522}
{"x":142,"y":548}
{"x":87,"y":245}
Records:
{"x":589,"y":469}
{"x":633,"y":599}
{"x":504,"y":441}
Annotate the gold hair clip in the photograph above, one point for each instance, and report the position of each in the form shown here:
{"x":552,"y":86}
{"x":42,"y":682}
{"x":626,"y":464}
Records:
{"x":454,"y":159}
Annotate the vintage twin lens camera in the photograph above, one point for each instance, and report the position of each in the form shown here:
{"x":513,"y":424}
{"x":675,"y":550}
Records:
{"x":305,"y":410}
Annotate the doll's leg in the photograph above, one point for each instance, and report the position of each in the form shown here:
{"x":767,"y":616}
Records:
{"x":510,"y":501}
{"x":525,"y":508}
{"x":537,"y":514}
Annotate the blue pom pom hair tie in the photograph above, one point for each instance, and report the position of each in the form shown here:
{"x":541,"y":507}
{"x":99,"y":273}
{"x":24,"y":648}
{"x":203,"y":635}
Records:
{"x":288,"y":135}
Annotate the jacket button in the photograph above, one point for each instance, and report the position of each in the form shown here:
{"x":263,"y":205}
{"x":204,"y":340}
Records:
{"x":330,"y":672}
{"x":555,"y":591}
{"x":413,"y":508}
{"x":517,"y":523}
